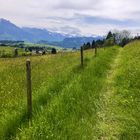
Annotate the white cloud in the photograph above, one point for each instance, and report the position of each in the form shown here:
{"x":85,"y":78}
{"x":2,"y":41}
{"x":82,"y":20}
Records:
{"x":59,"y":14}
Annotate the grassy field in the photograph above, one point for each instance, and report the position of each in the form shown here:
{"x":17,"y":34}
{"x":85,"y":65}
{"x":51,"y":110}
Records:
{"x":49,"y":74}
{"x":100,"y":101}
{"x":8,"y":52}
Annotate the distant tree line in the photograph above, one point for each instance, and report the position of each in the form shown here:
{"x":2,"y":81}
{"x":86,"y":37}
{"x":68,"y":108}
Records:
{"x":120,"y":38}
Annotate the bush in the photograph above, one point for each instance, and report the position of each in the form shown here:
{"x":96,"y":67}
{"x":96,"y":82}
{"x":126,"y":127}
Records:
{"x":109,"y":42}
{"x":53,"y":51}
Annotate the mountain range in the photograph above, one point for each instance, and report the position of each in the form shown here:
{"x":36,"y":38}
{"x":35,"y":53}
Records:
{"x":71,"y":42}
{"x":9,"y":31}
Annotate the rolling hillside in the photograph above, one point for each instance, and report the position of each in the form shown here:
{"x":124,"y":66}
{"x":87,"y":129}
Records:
{"x":99,"y":101}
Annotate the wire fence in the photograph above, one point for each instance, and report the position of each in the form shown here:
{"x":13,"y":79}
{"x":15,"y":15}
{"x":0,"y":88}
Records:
{"x":36,"y":65}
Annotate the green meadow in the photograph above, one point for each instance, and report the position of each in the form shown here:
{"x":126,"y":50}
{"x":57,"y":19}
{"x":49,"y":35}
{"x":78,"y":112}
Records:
{"x":9,"y":52}
{"x":99,"y":101}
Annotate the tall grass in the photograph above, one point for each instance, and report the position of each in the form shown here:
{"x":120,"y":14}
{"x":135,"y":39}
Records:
{"x":48,"y":72}
{"x":97,"y":101}
{"x":72,"y":113}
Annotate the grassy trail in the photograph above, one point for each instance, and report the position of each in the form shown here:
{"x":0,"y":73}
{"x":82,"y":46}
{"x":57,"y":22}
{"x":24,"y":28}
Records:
{"x":107,"y":125}
{"x":119,"y":105}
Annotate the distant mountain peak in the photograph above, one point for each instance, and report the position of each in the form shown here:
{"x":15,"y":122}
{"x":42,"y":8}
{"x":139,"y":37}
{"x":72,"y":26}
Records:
{"x":7,"y":23}
{"x":2,"y":20}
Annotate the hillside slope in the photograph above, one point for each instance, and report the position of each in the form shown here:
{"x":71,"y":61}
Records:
{"x":119,"y":107}
{"x":100,"y":101}
{"x":72,"y":113}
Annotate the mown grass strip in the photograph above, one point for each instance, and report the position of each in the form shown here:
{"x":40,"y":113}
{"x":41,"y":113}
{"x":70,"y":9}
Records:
{"x":119,"y":107}
{"x":127,"y":96}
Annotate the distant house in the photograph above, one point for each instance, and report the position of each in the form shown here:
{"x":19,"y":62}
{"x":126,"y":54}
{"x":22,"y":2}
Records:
{"x":64,"y":50}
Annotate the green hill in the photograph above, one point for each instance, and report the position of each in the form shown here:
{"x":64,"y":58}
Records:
{"x":99,"y":101}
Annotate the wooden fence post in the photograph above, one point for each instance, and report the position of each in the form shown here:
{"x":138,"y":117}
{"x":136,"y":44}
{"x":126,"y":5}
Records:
{"x":29,"y":89}
{"x":82,"y":60}
{"x":16,"y":52}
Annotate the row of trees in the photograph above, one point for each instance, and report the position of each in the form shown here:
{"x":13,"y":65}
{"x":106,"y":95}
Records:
{"x":120,"y":38}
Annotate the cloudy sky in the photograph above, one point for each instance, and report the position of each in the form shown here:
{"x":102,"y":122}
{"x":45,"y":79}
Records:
{"x":84,"y":17}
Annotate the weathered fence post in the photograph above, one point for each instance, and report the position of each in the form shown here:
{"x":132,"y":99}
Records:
{"x":16,"y":52}
{"x":29,"y":89}
{"x":82,"y":60}
{"x":95,"y":50}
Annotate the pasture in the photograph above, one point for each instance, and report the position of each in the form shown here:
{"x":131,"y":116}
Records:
{"x":100,"y":100}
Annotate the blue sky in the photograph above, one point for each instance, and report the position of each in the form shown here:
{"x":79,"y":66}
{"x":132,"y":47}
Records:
{"x":84,"y":17}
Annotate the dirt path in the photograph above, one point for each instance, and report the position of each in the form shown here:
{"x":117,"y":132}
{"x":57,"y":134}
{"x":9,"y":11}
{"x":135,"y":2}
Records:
{"x":107,"y":125}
